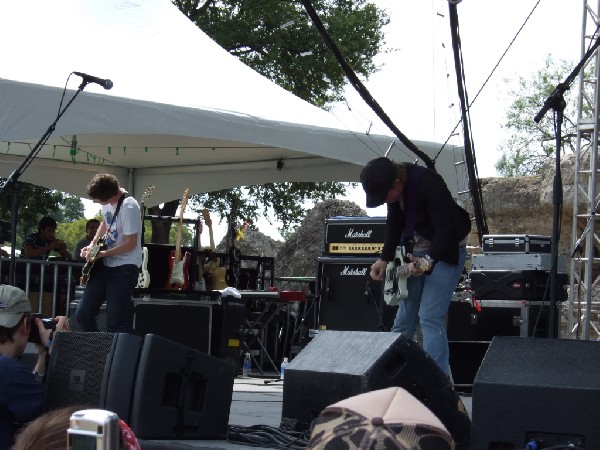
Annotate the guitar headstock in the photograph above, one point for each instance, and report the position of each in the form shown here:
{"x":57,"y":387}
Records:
{"x":206,"y":217}
{"x":148,"y":192}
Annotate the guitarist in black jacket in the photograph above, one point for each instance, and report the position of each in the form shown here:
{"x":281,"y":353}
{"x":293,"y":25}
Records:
{"x":113,"y":258}
{"x":424,"y":218}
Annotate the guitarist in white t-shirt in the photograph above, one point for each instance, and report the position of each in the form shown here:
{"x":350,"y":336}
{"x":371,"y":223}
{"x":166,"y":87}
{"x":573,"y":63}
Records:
{"x":113,"y":258}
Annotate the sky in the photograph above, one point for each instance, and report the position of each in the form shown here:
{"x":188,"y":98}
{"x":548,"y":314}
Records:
{"x":415,"y":84}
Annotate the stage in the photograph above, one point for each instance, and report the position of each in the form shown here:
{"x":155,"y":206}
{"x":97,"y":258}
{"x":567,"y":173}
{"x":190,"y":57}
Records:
{"x":254,"y":403}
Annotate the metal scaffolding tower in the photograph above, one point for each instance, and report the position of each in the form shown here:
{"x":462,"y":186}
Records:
{"x":583,"y":306}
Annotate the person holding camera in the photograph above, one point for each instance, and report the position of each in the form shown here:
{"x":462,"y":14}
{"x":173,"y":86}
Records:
{"x":39,"y":245}
{"x":21,"y":390}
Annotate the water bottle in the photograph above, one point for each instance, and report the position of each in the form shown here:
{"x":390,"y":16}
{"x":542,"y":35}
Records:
{"x":246,"y":366}
{"x":284,"y":364}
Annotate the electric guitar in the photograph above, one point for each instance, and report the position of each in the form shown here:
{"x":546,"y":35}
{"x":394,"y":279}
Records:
{"x":144,"y":275}
{"x":216,"y":274}
{"x":396,"y":276}
{"x":178,"y":277}
{"x":200,"y":283}
{"x":89,"y":264}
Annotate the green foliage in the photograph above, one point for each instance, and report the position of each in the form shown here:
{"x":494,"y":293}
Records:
{"x":277,"y":39}
{"x":284,"y":201}
{"x":71,"y":232}
{"x":530,"y":144}
{"x":35,"y":202}
{"x":70,"y":208}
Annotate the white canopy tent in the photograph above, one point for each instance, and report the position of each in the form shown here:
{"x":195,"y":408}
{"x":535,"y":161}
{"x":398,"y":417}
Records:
{"x":183,"y":112}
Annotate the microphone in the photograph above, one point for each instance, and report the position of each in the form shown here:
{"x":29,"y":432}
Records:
{"x":106,"y":84}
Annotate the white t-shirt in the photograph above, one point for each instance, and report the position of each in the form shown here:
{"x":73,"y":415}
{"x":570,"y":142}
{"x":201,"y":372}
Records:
{"x":128,"y":222}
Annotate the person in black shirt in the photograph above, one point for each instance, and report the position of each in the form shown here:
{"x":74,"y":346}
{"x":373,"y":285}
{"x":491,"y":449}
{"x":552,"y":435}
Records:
{"x":424,"y":218}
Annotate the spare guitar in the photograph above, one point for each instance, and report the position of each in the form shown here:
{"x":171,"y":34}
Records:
{"x":216,"y":274}
{"x":178,"y":277}
{"x":144,"y":276}
{"x":396,"y":276}
{"x":89,"y":264}
{"x":200,"y":283}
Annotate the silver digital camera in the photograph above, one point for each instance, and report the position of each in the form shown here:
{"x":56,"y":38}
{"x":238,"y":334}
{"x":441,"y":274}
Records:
{"x":93,"y":429}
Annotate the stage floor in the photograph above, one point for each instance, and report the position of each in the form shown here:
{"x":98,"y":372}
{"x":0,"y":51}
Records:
{"x":254,"y":403}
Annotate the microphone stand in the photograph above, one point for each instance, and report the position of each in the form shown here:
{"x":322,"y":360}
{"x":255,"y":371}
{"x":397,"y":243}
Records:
{"x":12,"y":181}
{"x":556,"y":102}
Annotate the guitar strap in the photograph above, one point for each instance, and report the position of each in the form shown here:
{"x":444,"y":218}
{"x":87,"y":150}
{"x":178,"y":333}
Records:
{"x":119,"y":203}
{"x":410,"y":211}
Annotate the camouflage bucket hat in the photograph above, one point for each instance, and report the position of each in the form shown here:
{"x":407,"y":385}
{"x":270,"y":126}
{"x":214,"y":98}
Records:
{"x":388,"y":419}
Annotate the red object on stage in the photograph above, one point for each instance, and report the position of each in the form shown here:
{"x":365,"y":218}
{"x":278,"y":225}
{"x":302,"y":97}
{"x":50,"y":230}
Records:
{"x":292,"y":296}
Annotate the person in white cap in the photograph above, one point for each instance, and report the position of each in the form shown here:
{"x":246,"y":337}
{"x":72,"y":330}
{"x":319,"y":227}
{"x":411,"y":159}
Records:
{"x":21,"y":391}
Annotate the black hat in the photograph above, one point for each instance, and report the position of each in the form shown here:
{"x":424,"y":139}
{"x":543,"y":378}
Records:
{"x":377,"y":178}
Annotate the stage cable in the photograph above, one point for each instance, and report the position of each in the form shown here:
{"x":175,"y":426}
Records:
{"x":360,"y":88}
{"x":492,"y":72}
{"x":474,"y":185}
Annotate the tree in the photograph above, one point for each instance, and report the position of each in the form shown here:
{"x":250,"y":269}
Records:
{"x":277,"y":39}
{"x":285,"y":201}
{"x":35,"y":202}
{"x":70,"y":208}
{"x":531,"y":144}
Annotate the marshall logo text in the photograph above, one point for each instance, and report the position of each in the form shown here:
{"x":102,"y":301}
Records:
{"x":351,"y":234}
{"x":355,"y":271}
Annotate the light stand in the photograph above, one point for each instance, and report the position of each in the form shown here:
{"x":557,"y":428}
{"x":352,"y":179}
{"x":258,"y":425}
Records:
{"x":12,"y":181}
{"x":556,"y":102}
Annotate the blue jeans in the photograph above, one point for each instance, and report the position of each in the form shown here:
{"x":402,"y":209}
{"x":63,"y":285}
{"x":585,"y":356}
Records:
{"x":428,"y":301}
{"x":115,"y":286}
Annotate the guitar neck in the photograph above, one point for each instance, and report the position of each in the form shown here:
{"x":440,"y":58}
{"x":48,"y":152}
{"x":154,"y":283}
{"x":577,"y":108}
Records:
{"x":212,"y":239}
{"x":178,"y":242}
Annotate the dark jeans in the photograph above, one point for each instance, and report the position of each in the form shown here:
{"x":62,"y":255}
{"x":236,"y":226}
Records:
{"x":115,"y":286}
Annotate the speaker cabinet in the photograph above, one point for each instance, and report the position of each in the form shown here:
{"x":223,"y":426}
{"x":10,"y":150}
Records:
{"x":180,"y":393}
{"x":93,"y":369}
{"x":206,"y":326}
{"x":339,"y":364}
{"x":544,"y":390}
{"x":349,"y":299}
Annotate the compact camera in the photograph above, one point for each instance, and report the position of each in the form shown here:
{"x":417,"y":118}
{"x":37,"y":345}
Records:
{"x":93,"y":429}
{"x":34,"y":333}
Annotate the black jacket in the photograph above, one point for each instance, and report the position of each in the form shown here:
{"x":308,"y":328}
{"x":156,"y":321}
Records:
{"x":439,"y":218}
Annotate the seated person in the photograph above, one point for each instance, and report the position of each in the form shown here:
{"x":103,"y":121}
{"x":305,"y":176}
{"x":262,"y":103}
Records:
{"x":21,"y":391}
{"x":90,"y":231}
{"x":39,"y":245}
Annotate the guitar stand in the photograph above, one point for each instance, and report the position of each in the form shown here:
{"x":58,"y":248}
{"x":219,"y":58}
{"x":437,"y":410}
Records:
{"x":302,"y":323}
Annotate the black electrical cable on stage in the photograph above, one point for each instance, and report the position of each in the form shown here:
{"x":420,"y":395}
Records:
{"x":360,"y":88}
{"x":265,"y":436}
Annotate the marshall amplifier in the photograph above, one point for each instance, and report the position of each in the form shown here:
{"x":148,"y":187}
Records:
{"x":349,"y":299}
{"x":515,"y":243}
{"x":354,"y":235}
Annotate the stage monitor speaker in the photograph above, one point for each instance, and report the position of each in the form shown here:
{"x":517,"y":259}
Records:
{"x":533,"y":389}
{"x":336,"y":365}
{"x":349,"y":299}
{"x":210,"y":328}
{"x":180,"y":393}
{"x":93,"y":369}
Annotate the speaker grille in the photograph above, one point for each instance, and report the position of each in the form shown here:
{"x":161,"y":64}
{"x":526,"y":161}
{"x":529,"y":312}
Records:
{"x":77,"y":368}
